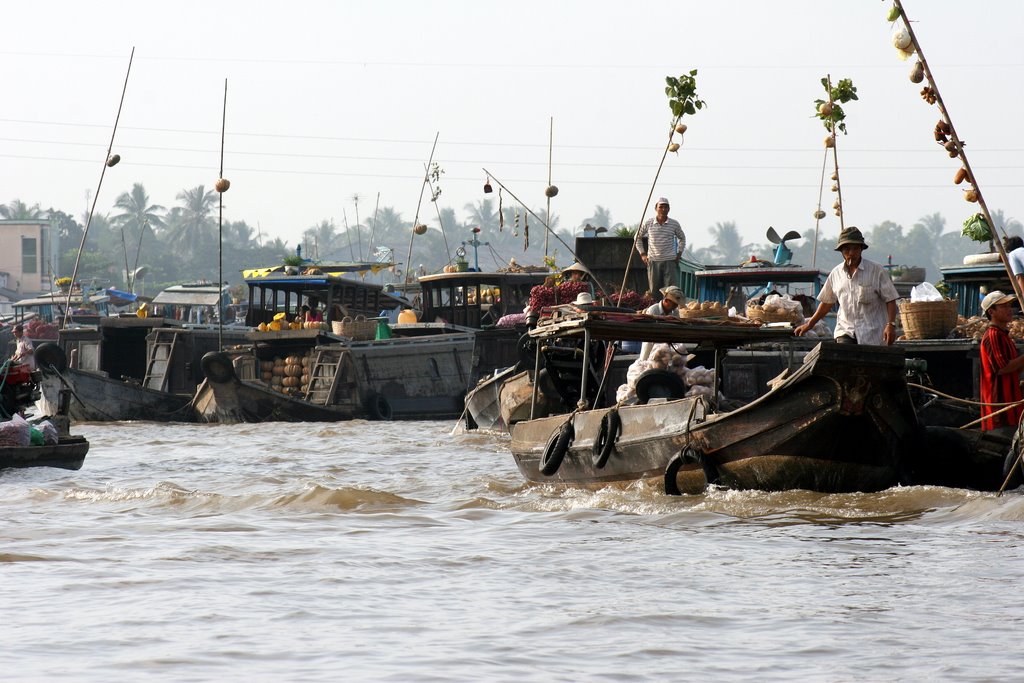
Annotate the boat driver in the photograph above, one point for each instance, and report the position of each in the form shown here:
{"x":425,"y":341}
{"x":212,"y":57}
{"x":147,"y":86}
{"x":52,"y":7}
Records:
{"x":23,"y":352}
{"x":672,"y":299}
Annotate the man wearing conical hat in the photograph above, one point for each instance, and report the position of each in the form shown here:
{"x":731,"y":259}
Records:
{"x":865,"y":294}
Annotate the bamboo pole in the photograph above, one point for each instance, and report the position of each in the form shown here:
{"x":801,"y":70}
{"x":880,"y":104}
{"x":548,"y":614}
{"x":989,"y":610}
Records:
{"x":835,"y":159}
{"x":416,"y":218}
{"x":551,"y":142}
{"x":88,"y":221}
{"x":961,"y":153}
{"x":220,"y":227}
{"x":647,"y":205}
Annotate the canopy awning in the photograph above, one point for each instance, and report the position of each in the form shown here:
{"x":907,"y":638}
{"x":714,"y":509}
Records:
{"x":191,"y":295}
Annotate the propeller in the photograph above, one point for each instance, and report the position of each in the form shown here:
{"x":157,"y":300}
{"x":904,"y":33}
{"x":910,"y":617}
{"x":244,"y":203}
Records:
{"x":774,"y":238}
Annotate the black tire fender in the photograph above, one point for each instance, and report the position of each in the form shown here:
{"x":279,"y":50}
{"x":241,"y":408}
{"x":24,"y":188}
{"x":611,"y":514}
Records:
{"x":659,"y":384}
{"x":611,"y":427}
{"x":49,"y":357}
{"x":378,"y":407}
{"x":557,"y":447}
{"x":217,"y":367}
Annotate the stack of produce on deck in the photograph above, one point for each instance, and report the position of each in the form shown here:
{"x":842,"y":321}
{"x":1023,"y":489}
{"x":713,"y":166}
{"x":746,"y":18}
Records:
{"x":631,"y":299}
{"x":543,"y":296}
{"x":18,"y":433}
{"x":289,"y":375}
{"x":704,"y":309}
{"x":974,"y":328}
{"x":700,"y":381}
{"x":39,"y":329}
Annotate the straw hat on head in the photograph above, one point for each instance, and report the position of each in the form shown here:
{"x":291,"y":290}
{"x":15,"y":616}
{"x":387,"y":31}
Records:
{"x":577,"y":267}
{"x":583,"y":298}
{"x":851,"y":235}
{"x":674,"y":294}
{"x":994,"y":299}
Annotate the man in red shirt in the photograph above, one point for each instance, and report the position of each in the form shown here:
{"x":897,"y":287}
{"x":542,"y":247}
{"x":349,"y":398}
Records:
{"x":1000,"y":364}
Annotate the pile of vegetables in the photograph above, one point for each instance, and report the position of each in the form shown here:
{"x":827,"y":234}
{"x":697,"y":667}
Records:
{"x":289,"y":375}
{"x":39,"y":329}
{"x":631,"y":299}
{"x":974,"y":328}
{"x":542,"y":296}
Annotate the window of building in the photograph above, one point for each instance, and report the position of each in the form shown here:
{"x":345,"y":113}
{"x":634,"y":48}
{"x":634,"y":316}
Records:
{"x":29,"y":255}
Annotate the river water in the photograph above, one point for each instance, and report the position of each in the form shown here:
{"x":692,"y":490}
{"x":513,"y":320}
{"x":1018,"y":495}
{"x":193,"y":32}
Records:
{"x":397,"y":552}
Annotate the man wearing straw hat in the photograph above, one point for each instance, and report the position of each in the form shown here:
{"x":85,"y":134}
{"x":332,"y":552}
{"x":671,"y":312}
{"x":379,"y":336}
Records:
{"x":665,"y":245}
{"x":672,"y":299}
{"x":865,"y":294}
{"x":1000,"y":365}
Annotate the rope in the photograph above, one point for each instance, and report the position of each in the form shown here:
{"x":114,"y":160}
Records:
{"x":964,"y":400}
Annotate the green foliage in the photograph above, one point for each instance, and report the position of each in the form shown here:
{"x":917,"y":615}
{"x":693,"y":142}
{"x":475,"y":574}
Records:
{"x":292,"y":260}
{"x":682,"y":94}
{"x":830,"y":111}
{"x":624,"y":231}
{"x":977,"y":228}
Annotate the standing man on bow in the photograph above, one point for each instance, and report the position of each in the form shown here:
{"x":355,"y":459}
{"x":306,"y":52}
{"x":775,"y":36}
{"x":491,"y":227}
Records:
{"x":865,"y":294}
{"x":665,"y":245}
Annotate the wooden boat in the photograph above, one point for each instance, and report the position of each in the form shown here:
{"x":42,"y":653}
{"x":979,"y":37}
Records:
{"x":67,"y":454}
{"x":842,"y":421}
{"x":420,"y":370}
{"x":21,"y":388}
{"x":417,"y":377}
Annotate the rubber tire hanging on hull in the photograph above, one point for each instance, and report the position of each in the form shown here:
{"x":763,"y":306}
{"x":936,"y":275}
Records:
{"x":49,"y":354}
{"x":659,"y":384}
{"x":557,"y":447}
{"x":611,"y":427}
{"x":217,"y":367}
{"x":378,"y":408}
{"x":689,"y":454}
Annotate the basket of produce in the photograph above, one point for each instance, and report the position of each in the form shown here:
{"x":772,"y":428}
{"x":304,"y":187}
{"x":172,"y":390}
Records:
{"x":769,"y":313}
{"x":704,"y":309}
{"x":928,"y":319}
{"x":359,"y":329}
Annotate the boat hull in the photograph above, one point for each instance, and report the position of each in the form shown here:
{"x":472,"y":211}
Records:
{"x":98,"y":398}
{"x":843,"y":422}
{"x":68,"y":454}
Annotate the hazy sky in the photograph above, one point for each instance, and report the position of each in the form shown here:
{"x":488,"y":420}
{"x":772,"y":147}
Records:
{"x":327,"y":100}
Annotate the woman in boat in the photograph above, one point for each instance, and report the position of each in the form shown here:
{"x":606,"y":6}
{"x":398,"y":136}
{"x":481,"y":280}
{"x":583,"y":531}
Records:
{"x":312,"y":311}
{"x":1000,"y":365}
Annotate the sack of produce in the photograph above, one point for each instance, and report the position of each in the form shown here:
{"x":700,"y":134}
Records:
{"x":15,"y":433}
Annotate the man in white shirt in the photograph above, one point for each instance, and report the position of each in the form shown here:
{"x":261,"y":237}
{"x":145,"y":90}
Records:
{"x":865,"y":294}
{"x":672,"y":299}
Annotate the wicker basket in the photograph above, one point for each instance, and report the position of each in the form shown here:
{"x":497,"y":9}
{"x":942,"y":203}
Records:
{"x":758,"y":312}
{"x":928,"y":319}
{"x":359,"y":329}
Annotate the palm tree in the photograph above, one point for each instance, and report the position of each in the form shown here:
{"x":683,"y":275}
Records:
{"x":192,"y":231}
{"x":933,"y":224}
{"x":137,"y":211}
{"x":321,"y":240}
{"x":19,"y":210}
{"x":602,"y":218}
{"x":728,"y":246}
{"x":483,"y":215}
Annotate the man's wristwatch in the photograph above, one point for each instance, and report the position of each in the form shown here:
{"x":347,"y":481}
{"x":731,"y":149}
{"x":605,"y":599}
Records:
{"x":890,"y":324}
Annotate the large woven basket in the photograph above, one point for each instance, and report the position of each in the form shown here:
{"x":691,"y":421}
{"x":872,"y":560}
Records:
{"x":928,"y":319}
{"x":767,"y":315}
{"x":359,"y":329}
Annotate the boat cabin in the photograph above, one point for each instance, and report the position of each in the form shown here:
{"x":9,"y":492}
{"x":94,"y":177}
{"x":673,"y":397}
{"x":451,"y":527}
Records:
{"x":274,"y":290}
{"x":735,"y":285}
{"x":474,"y":299}
{"x":85,"y":310}
{"x":970,"y":282}
{"x":197,"y":303}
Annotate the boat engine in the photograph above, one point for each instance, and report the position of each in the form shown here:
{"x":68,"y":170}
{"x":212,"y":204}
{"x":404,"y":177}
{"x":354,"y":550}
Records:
{"x":19,"y":388}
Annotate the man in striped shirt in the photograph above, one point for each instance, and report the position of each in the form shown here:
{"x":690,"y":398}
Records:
{"x":665,"y":245}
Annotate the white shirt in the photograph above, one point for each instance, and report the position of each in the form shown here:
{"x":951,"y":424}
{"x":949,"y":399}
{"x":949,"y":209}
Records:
{"x":862,"y":301}
{"x":656,"y":309}
{"x":1016,"y":259}
{"x":23,"y":353}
